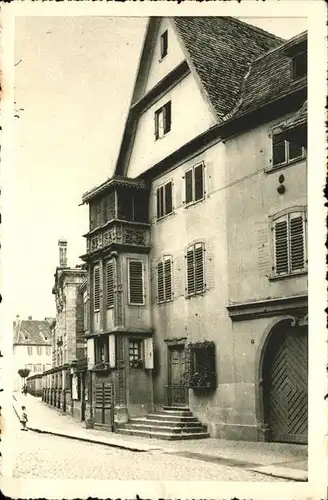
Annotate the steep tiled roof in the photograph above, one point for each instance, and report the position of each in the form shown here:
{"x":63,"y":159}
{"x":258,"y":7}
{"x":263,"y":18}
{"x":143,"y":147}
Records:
{"x":268,"y":78}
{"x":32,"y":332}
{"x":221,"y":49}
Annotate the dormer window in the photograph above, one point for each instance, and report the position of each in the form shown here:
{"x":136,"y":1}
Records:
{"x":164,"y":44}
{"x":299,"y":66}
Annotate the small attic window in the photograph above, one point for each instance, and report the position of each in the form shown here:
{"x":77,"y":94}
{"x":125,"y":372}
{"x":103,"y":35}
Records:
{"x":164,"y":44}
{"x":299,"y":66}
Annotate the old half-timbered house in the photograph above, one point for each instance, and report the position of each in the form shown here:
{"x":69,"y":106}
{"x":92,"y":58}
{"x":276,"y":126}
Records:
{"x":196,"y":249}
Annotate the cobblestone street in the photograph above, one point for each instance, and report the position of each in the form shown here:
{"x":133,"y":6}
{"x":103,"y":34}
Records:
{"x":51,"y":457}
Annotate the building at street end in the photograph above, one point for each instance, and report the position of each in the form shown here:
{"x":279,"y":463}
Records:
{"x":196,"y":251}
{"x":31,"y":347}
{"x":64,"y":384}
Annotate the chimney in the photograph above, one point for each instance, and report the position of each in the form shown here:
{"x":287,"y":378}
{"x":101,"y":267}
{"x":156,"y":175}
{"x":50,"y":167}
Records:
{"x":62,"y":245}
{"x":30,"y":317}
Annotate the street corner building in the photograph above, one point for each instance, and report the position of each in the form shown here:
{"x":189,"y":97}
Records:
{"x":31,"y":351}
{"x":64,"y":384}
{"x":196,"y":296}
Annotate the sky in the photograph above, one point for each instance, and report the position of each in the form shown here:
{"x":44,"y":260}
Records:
{"x":73,"y":80}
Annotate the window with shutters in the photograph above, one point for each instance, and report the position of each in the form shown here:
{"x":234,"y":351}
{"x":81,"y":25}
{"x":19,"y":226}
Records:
{"x":96,"y":288}
{"x":284,"y":152}
{"x":135,"y":353}
{"x":194,"y":184}
{"x":164,"y":200}
{"x":164,"y":279}
{"x":101,"y":349}
{"x":289,"y":244}
{"x":163,"y":120}
{"x":195,"y":269}
{"x":135,"y":282}
{"x":109,"y":270}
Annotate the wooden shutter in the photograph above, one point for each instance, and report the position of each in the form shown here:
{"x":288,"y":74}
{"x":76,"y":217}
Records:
{"x":297,"y":241}
{"x":188,"y":185}
{"x":199,"y":182}
{"x":160,"y":202}
{"x":167,"y":278}
{"x":91,"y":353}
{"x":281,"y":261}
{"x":160,"y":282}
{"x":190,"y":271}
{"x":96,"y":288}
{"x":199,"y":267}
{"x":168,"y":198}
{"x":112,"y":351}
{"x":156,"y":128}
{"x":109,"y":284}
{"x":135,"y":282}
{"x":167,"y":117}
{"x":149,"y":353}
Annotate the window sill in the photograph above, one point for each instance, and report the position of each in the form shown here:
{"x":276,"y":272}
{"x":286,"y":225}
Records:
{"x":286,"y":276}
{"x":270,"y":169}
{"x":197,"y":294}
{"x":164,"y":217}
{"x":192,"y":203}
{"x":136,"y":305}
{"x":164,"y":302}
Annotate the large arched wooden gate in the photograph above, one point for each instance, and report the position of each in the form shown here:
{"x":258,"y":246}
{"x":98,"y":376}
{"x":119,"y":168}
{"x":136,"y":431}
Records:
{"x":285,"y":389}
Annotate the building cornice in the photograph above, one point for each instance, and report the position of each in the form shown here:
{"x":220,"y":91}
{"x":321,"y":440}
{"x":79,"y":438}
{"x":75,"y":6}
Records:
{"x":297,"y":304}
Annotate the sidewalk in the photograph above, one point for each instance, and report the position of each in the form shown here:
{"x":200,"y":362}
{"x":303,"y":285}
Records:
{"x":276,"y":459}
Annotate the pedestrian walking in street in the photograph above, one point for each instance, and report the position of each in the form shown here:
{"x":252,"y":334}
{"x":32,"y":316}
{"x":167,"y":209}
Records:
{"x":23,"y":419}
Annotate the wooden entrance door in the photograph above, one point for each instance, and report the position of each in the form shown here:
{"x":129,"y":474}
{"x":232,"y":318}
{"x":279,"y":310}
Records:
{"x":104,"y":414}
{"x":177,"y":391}
{"x":287,"y":386}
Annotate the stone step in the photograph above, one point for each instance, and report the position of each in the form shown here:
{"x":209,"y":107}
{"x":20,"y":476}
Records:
{"x":176,"y":408}
{"x":184,"y":413}
{"x":155,"y":428}
{"x":163,"y":435}
{"x":162,"y":422}
{"x":172,"y":418}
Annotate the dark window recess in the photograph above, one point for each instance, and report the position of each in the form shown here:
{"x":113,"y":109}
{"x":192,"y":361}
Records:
{"x":163,"y":120}
{"x":140,"y":201}
{"x":164,"y":280}
{"x":101,"y":349}
{"x":135,"y":354}
{"x":195,"y":269}
{"x":194,"y":184}
{"x":109,"y":284}
{"x":285,"y":151}
{"x":96,"y":289}
{"x":188,"y":185}
{"x":132,"y":206}
{"x":294,"y":150}
{"x":202,"y":366}
{"x":289,"y":244}
{"x":299,"y":65}
{"x":164,"y":44}
{"x":135,"y":282}
{"x":164,"y":200}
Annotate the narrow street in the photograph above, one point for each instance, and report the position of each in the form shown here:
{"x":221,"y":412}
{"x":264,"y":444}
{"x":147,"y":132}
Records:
{"x":51,"y":457}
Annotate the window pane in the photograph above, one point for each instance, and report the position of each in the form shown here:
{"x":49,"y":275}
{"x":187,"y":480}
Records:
{"x":160,"y":123}
{"x":281,"y":247}
{"x":188,"y":184}
{"x":297,"y":243}
{"x":160,"y":282}
{"x":190,"y":272}
{"x":278,"y":151}
{"x":199,"y":269}
{"x":160,"y":202}
{"x":164,"y":44}
{"x":168,"y":198}
{"x":135,"y":282}
{"x":199,"y":184}
{"x":294,"y":150}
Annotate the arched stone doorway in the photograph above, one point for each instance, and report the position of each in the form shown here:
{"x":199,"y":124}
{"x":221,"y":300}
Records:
{"x":283,"y":382}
